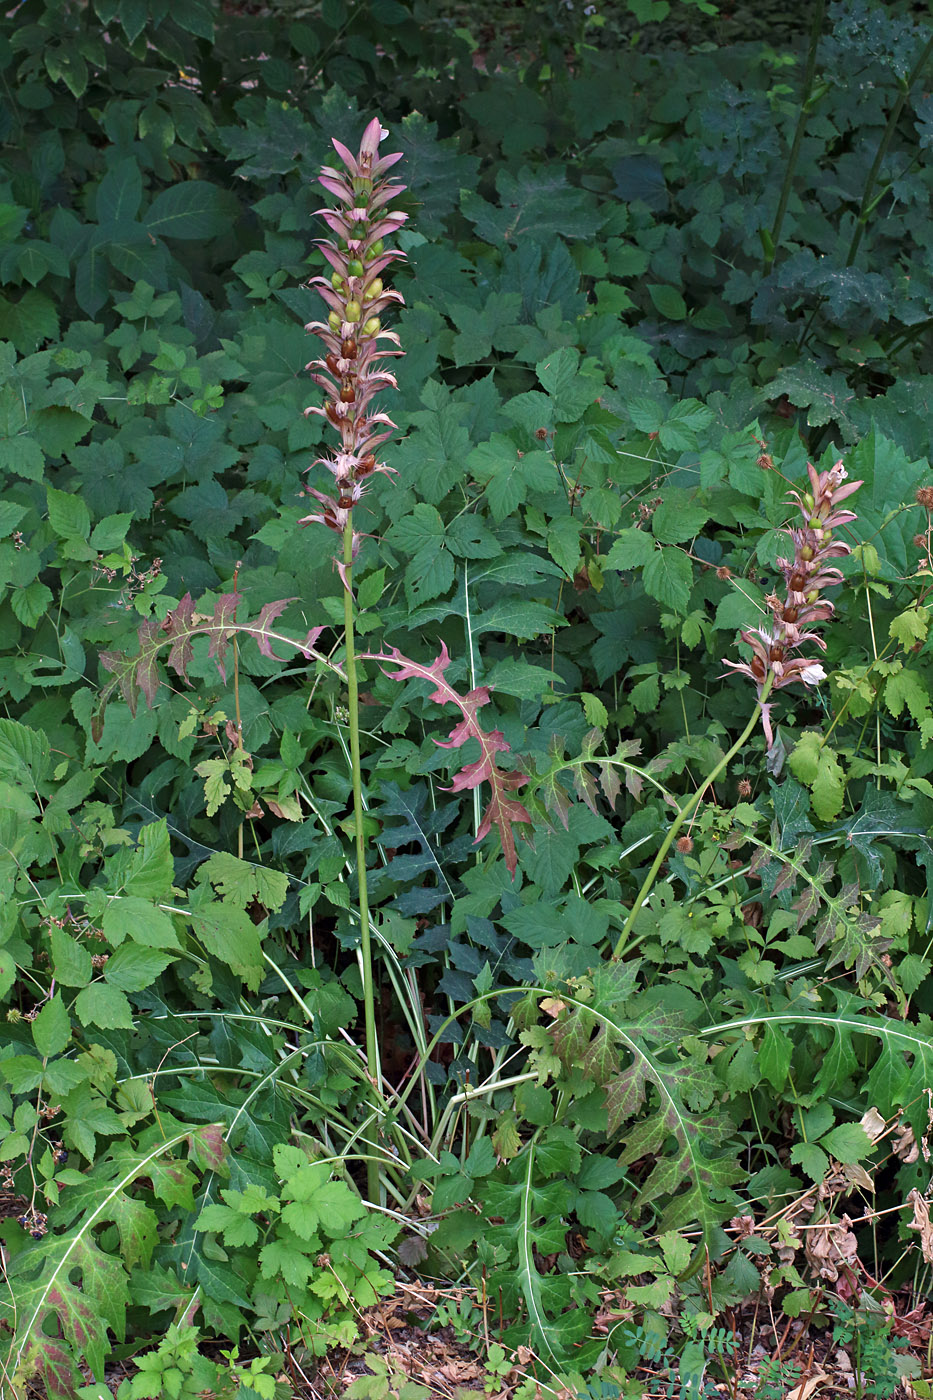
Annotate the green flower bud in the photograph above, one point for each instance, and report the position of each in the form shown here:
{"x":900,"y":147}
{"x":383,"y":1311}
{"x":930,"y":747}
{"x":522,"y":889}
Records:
{"x":372,"y":326}
{"x":374,"y":289}
{"x":355,"y":267}
{"x":353,"y":311}
{"x":336,"y":281}
{"x":334,"y":321}
{"x":374,"y":251}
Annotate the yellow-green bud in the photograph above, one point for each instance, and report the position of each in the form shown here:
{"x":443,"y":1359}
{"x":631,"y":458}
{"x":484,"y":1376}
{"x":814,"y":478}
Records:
{"x":336,"y":281}
{"x":374,"y":251}
{"x":353,"y":311}
{"x":372,"y":326}
{"x":334,"y":321}
{"x":374,"y":289}
{"x":355,"y":267}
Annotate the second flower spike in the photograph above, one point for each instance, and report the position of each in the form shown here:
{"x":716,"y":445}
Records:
{"x":773,"y":664}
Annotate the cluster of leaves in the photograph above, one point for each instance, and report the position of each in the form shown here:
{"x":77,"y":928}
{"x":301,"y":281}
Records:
{"x":585,"y":405}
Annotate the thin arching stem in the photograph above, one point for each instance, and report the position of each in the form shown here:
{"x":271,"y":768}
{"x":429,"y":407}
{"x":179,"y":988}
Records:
{"x":686,"y":811}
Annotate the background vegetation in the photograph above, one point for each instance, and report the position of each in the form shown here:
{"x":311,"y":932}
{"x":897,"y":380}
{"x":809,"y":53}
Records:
{"x":658,"y":259}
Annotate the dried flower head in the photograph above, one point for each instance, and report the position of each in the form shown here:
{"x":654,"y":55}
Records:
{"x":351,"y":373}
{"x":745,"y":788}
{"x":684,"y":845}
{"x":925,"y":497}
{"x":773,"y":664}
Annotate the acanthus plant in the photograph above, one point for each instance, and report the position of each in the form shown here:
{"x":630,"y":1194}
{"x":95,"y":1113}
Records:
{"x":773,"y":664}
{"x":351,"y":373}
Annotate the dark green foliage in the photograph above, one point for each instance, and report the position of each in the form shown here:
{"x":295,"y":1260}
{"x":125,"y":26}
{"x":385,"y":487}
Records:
{"x":613,"y":372}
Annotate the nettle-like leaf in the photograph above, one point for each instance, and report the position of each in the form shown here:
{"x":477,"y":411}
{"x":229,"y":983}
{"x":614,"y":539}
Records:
{"x":657,"y":1095}
{"x":898,"y":1079}
{"x":851,"y":936}
{"x":536,"y":1217}
{"x":502,"y":811}
{"x":140,"y":674}
{"x":65,"y":1295}
{"x":589,"y":774}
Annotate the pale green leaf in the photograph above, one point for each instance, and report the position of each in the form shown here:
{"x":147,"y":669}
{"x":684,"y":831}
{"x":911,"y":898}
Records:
{"x":51,"y":1030}
{"x":104,"y":1007}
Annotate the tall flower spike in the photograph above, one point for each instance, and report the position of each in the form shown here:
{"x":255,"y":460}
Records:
{"x":773,"y":664}
{"x":351,"y":372}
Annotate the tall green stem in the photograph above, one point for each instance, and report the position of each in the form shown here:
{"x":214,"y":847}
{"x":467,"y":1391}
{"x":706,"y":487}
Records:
{"x":868,"y":203}
{"x":806,"y":103}
{"x":366,"y":956}
{"x":687,"y":810}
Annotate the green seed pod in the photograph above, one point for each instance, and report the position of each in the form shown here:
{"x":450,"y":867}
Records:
{"x":355,"y":267}
{"x":336,"y":281}
{"x":374,"y":251}
{"x":374,"y":289}
{"x":353,"y":311}
{"x":334,"y":321}
{"x":372,"y":326}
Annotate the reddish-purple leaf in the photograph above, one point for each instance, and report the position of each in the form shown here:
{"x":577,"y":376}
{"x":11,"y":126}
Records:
{"x":634,"y":782}
{"x":556,"y":799}
{"x":180,"y":629}
{"x":151,"y":637}
{"x":306,"y":647}
{"x":609,"y":782}
{"x":260,"y":628}
{"x":805,"y":906}
{"x":49,"y":1360}
{"x":502,"y":811}
{"x":222,"y":629}
{"x":111,"y":660}
{"x":207,"y":1148}
{"x":785,"y":881}
{"x":585,"y":786}
{"x":759,"y":860}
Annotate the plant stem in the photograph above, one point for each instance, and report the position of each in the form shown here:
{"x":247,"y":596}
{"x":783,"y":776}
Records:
{"x":366,"y":955}
{"x":816,"y":30}
{"x":686,"y":811}
{"x":893,"y":117}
